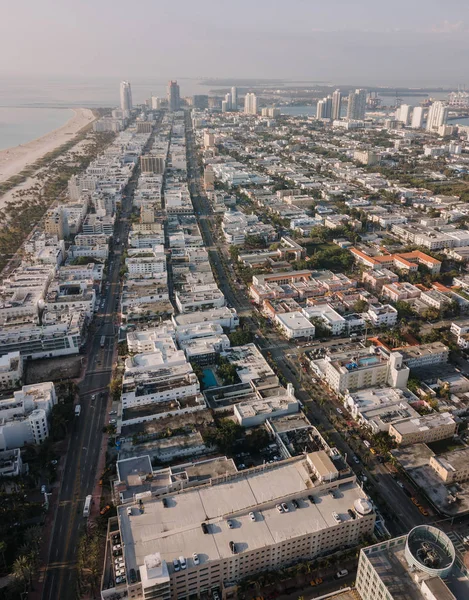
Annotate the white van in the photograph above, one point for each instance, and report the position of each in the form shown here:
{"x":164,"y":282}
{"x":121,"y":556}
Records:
{"x":176,"y":565}
{"x":182,"y":562}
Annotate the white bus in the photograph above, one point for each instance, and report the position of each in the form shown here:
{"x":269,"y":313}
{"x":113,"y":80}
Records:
{"x":86,"y":508}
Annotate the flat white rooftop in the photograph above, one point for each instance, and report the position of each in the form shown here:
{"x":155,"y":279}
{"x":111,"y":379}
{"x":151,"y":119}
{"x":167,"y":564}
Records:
{"x":176,"y":530}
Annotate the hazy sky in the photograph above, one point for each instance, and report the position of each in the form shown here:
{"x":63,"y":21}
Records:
{"x":342,"y":41}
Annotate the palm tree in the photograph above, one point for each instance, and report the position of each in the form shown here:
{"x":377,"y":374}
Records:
{"x":23,"y":570}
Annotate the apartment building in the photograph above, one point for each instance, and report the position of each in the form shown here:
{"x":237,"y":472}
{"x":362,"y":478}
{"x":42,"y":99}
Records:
{"x":407,"y":261}
{"x":145,"y":261}
{"x":233,"y":528}
{"x":199,"y":297}
{"x":295,"y":325}
{"x":425,"y":355}
{"x":24,"y":417}
{"x":55,"y":223}
{"x":349,"y":371}
{"x":336,"y":323}
{"x":451,"y":466}
{"x":149,"y":381}
{"x":11,"y":370}
{"x":435,"y":299}
{"x":382,"y":315}
{"x":377,"y":278}
{"x":224,"y":316}
{"x":58,"y":336}
{"x":398,"y":292}
{"x":11,"y":463}
{"x":424,"y":236}
{"x":422,"y":565}
{"x":426,"y":429}
{"x":378,"y":408}
{"x":256,"y":412}
{"x":204,"y":350}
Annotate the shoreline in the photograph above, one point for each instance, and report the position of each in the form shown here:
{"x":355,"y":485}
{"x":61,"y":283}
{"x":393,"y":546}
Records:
{"x":15,"y":159}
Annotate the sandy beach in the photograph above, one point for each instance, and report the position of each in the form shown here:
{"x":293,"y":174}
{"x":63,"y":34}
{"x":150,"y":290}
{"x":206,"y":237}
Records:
{"x":14,"y":160}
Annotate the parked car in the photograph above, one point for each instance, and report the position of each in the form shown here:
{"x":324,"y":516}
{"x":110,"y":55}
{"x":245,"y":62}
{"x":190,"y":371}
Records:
{"x":195,"y":558}
{"x":341,"y":573}
{"x":105,"y":509}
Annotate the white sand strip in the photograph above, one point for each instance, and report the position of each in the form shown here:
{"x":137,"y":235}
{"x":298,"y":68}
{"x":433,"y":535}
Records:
{"x":14,"y":160}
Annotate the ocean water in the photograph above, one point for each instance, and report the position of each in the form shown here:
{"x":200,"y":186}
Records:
{"x":21,"y":125}
{"x":30,"y":108}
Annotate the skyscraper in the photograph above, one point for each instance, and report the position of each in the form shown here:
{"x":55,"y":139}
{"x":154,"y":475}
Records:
{"x":250,"y":104}
{"x":417,"y":118}
{"x":403,"y":113}
{"x":324,"y":108}
{"x":336,"y":104}
{"x":320,"y":109}
{"x":173,"y":96}
{"x":126,"y":97}
{"x":234,"y":98}
{"x":437,"y":116}
{"x":229,"y":101}
{"x":356,"y":105}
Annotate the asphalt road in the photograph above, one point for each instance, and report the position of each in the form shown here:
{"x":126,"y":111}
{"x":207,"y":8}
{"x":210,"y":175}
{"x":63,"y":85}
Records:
{"x":79,"y":473}
{"x":236,"y":297}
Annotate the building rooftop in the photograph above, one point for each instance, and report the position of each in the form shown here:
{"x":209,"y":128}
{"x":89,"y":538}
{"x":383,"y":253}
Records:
{"x":417,"y":424}
{"x":176,"y":530}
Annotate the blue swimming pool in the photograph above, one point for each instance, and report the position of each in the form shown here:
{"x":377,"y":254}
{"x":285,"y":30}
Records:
{"x":208,"y":378}
{"x":367,"y":361}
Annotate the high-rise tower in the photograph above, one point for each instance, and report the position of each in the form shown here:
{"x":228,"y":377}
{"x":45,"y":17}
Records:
{"x":336,"y":104}
{"x":126,"y":96}
{"x":174,"y":99}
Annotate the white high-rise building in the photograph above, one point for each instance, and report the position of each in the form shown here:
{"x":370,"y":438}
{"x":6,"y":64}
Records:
{"x":155,"y":103}
{"x":250,"y":104}
{"x":320,"y":109}
{"x":224,"y":106}
{"x":324,"y":108}
{"x":228,"y":100}
{"x":417,"y":118}
{"x":356,"y":105}
{"x":403,"y":113}
{"x":336,"y":104}
{"x":126,"y":97}
{"x":234,"y":98}
{"x":437,"y":116}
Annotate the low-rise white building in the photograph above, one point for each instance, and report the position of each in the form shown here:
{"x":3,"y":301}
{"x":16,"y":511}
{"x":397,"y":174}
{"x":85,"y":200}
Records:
{"x":11,"y":370}
{"x":23,"y":418}
{"x":372,"y":367}
{"x":382,"y":315}
{"x":295,"y":325}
